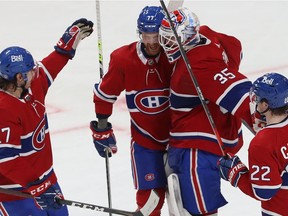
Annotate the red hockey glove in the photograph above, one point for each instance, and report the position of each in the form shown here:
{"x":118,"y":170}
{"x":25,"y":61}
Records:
{"x":231,"y":168}
{"x":103,"y":139}
{"x":258,"y":120}
{"x":69,"y":41}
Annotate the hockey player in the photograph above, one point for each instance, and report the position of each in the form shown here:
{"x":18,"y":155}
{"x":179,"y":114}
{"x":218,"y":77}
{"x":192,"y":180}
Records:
{"x":143,"y":71}
{"x":267,"y":177}
{"x":193,"y":149}
{"x":25,"y":148}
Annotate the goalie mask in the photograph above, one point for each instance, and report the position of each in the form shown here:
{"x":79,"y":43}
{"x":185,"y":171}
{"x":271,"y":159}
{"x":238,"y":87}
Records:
{"x":187,"y":27}
{"x":273,"y":88}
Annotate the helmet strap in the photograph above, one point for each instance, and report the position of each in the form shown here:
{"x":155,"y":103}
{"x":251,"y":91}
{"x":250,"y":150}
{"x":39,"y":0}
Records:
{"x":261,"y":113}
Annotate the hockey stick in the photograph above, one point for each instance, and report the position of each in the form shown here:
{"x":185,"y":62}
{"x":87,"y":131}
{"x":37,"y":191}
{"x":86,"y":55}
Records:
{"x":174,"y":4}
{"x":194,"y":80}
{"x":145,"y":211}
{"x":99,"y":35}
{"x":248,"y":127}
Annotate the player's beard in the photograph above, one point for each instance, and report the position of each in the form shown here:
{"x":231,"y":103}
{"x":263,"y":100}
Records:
{"x":153,"y":49}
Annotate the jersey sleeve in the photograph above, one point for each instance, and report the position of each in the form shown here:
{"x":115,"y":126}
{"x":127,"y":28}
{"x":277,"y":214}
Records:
{"x":231,"y":45}
{"x":218,"y":75}
{"x":110,"y":86}
{"x":264,"y":168}
{"x":49,"y":68}
{"x":227,"y":88}
{"x":54,"y":63}
{"x":264,"y":174}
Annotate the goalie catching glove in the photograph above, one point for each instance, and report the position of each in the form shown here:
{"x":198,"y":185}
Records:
{"x":103,"y":139}
{"x":231,"y":168}
{"x":69,"y":41}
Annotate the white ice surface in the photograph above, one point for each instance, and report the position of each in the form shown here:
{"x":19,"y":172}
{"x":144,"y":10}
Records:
{"x":37,"y":25}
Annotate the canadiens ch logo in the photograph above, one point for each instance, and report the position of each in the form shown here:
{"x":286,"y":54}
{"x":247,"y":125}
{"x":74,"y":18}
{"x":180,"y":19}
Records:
{"x":152,"y":101}
{"x":149,"y":177}
{"x":39,"y":136}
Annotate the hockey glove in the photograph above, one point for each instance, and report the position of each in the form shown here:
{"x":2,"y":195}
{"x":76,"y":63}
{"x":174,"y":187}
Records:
{"x":45,"y":194}
{"x":48,"y":199}
{"x":69,"y":41}
{"x":231,"y":168}
{"x":103,"y":139}
{"x":258,"y":120}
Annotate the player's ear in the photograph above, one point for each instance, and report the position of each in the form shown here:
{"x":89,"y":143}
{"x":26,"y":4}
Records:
{"x":19,"y":79}
{"x":265,"y":103}
{"x":19,"y":76}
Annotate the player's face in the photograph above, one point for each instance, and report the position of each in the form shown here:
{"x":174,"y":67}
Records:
{"x":32,"y":74}
{"x":150,"y":40}
{"x":262,"y":107}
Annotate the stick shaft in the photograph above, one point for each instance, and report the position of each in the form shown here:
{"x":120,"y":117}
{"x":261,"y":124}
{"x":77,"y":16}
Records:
{"x":108,"y":177}
{"x":99,"y":35}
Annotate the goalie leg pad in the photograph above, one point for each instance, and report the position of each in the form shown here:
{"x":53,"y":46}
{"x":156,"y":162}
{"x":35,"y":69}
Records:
{"x":168,"y":169}
{"x":173,"y":196}
{"x":146,"y":201}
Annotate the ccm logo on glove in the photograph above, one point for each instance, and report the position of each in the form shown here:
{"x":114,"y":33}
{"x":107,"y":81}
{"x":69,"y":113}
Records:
{"x":235,"y":170}
{"x":102,"y":136}
{"x":40,"y":188}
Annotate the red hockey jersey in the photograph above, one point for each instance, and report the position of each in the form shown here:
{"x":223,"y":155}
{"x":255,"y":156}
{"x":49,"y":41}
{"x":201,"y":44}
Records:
{"x":215,"y":64}
{"x":25,"y":146}
{"x":267,"y":179}
{"x":146,"y":84}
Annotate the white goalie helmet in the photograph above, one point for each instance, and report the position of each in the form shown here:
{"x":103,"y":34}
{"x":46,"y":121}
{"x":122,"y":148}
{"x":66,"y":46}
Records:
{"x":187,"y":26}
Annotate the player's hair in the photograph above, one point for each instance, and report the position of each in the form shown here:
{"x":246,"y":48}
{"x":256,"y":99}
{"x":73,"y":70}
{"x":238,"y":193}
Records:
{"x":279,"y":111}
{"x":5,"y":84}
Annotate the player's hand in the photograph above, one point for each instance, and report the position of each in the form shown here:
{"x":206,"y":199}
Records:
{"x":69,"y":41}
{"x":103,"y":139}
{"x":231,"y":168}
{"x":48,"y":199}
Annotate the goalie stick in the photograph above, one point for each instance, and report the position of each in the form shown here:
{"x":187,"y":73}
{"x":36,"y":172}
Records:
{"x":194,"y":80}
{"x":151,"y":203}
